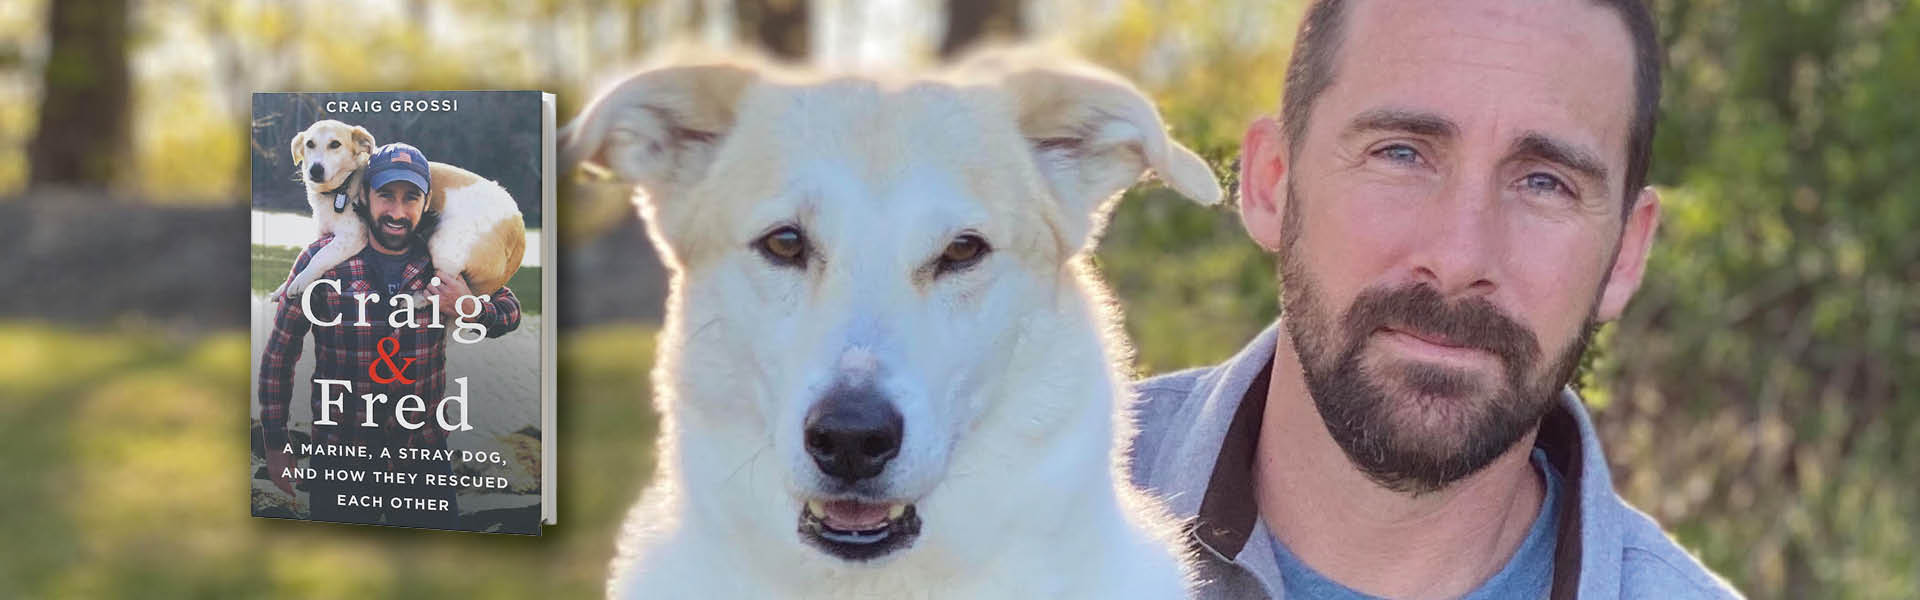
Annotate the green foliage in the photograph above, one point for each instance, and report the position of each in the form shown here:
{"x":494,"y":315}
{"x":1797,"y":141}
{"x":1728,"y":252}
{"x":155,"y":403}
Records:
{"x":1193,"y":287}
{"x":525,"y":284}
{"x":1764,"y":369}
{"x":271,"y":265}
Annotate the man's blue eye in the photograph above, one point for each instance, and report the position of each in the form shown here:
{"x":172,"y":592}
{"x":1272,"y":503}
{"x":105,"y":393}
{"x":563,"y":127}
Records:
{"x":1399,"y":153}
{"x":1543,"y":183}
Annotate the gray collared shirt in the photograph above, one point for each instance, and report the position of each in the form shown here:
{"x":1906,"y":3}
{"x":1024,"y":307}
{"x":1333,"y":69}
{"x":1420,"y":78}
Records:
{"x":1195,"y":451}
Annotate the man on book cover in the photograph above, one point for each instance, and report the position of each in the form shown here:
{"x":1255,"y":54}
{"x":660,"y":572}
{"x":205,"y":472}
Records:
{"x":377,"y":359}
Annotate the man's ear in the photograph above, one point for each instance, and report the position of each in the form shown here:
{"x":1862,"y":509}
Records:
{"x":299,"y":152}
{"x":1630,"y":259}
{"x":363,"y":140}
{"x":660,"y":128}
{"x":1092,"y":136}
{"x":1263,"y":166}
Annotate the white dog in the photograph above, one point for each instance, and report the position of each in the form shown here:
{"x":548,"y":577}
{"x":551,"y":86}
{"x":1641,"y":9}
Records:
{"x":480,"y":233}
{"x":887,"y":369}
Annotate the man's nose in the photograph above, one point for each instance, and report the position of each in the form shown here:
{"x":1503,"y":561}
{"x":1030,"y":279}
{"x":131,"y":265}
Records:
{"x":1462,"y":239}
{"x":852,"y":433}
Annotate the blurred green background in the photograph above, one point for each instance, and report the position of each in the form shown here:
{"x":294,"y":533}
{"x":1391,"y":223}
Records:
{"x":1757,"y":398}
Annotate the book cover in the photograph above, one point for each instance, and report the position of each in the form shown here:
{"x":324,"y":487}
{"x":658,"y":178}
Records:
{"x":402,"y":309}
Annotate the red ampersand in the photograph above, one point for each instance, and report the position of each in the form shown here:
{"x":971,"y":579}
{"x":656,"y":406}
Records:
{"x":386,"y":356}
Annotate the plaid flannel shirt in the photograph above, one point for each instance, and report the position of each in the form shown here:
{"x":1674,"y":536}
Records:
{"x":347,"y":351}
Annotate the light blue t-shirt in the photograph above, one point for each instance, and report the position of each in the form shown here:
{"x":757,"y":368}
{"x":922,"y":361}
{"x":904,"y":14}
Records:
{"x":1529,"y":574}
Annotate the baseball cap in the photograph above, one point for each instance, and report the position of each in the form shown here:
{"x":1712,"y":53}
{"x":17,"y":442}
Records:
{"x":397,"y":162}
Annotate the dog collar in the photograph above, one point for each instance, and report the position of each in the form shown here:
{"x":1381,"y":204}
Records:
{"x":340,"y":198}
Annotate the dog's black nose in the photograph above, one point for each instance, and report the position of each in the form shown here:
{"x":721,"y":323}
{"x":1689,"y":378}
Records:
{"x":852,"y":433}
{"x":317,"y":172}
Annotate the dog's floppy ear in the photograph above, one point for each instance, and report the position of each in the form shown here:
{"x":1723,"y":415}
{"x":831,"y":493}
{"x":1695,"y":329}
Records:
{"x":1093,"y":135}
{"x":363,"y":139}
{"x":660,"y":128}
{"x":299,"y":152}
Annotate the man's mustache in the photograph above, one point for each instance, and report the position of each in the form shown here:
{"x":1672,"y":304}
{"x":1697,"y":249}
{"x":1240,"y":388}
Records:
{"x":1418,"y":308}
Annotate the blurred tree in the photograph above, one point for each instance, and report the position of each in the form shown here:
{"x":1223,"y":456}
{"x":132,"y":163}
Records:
{"x":973,"y":21}
{"x":246,"y":47}
{"x":779,"y":26}
{"x":636,"y":29}
{"x":83,"y":132}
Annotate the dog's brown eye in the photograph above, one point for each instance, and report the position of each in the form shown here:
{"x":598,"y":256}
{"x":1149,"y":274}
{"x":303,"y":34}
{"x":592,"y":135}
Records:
{"x":962,"y":252}
{"x":784,"y":246}
{"x":309,"y":144}
{"x":334,"y":144}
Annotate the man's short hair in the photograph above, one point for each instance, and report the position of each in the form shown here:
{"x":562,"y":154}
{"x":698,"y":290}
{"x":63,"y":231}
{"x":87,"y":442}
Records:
{"x":1316,"y":47}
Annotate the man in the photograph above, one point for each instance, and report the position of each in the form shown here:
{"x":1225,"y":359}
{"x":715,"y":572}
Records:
{"x":395,"y":262}
{"x":1456,"y":194}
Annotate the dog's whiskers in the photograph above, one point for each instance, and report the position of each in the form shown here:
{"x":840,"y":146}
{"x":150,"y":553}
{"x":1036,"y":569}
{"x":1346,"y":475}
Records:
{"x":750,"y":460}
{"x":695,"y":334}
{"x":760,"y":369}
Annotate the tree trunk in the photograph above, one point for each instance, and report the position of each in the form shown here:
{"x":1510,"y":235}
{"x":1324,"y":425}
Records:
{"x":973,"y":21}
{"x":779,"y":26}
{"x":83,"y":136}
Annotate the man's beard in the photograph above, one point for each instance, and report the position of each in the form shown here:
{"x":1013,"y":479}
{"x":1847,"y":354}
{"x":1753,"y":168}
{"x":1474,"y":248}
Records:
{"x":390,"y":240}
{"x":1445,"y":424}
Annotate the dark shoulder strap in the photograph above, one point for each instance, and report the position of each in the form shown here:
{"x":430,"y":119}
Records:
{"x":1228,"y":512}
{"x":1560,"y":437}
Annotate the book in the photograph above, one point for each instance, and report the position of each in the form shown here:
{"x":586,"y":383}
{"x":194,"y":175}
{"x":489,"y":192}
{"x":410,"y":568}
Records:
{"x":403,"y":309}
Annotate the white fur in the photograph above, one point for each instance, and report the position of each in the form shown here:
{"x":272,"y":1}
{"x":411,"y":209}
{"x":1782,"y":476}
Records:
{"x":1005,"y":374}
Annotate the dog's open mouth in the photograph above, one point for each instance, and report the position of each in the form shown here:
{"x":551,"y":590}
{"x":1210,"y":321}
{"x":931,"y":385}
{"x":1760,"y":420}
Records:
{"x":855,"y":530}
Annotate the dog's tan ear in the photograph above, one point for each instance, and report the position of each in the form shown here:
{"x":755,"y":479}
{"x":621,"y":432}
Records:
{"x":1093,"y":135}
{"x":660,"y":128}
{"x":363,"y":140}
{"x":299,"y":152}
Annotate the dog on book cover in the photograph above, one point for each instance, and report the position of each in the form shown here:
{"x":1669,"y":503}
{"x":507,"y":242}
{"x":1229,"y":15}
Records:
{"x":422,"y":393}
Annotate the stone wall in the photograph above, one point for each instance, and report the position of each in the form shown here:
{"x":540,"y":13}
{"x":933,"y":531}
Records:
{"x":88,"y":258}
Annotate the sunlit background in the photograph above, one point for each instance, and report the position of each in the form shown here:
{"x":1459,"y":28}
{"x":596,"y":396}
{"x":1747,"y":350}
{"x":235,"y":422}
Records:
{"x":1758,"y":398}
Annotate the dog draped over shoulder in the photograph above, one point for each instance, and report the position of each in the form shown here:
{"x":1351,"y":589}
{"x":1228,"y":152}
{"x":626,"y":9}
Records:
{"x":887,"y":368}
{"x":477,"y":230}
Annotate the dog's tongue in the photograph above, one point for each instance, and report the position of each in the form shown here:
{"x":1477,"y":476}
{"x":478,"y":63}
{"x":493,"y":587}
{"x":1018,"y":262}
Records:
{"x":849,"y":515}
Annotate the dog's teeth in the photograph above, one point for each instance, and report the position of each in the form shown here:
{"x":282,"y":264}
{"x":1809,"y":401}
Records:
{"x":894,"y":511}
{"x":817,"y":508}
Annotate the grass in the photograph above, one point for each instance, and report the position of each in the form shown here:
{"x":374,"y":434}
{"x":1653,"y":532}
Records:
{"x":123,"y":457}
{"x":272,"y":263}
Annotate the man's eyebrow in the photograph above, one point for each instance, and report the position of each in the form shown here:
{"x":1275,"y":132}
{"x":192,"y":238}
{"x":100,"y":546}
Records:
{"x":1401,"y":120}
{"x":1545,"y":147}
